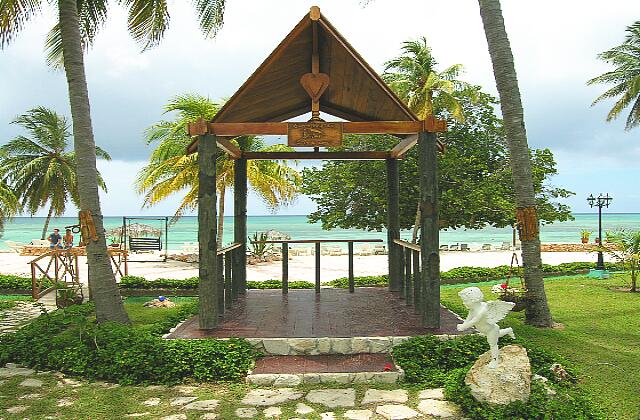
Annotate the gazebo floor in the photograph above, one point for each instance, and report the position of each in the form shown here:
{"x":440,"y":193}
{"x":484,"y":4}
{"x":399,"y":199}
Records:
{"x":369,"y":312}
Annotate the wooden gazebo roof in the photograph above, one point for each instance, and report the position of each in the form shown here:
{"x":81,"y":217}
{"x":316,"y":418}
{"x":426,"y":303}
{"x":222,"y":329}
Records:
{"x":274,"y":93}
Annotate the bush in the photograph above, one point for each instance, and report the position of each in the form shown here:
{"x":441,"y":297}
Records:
{"x":135,"y":282}
{"x":362,"y":281}
{"x":71,"y":342}
{"x":434,"y":363}
{"x":10,"y":281}
{"x":277,"y":284}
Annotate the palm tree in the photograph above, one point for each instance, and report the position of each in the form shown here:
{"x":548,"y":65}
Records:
{"x":626,"y":77}
{"x":78,"y":24}
{"x":171,"y":170}
{"x":537,"y":312}
{"x":426,"y":91}
{"x":414,"y":78}
{"x":39,"y":168}
{"x":627,"y":251}
{"x":9,"y":205}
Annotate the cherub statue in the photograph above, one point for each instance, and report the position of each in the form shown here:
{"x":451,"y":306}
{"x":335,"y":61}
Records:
{"x":485,"y":316}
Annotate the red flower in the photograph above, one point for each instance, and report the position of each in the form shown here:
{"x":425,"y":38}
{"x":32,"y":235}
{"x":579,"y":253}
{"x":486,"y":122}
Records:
{"x":504,"y":285}
{"x":388,"y":367}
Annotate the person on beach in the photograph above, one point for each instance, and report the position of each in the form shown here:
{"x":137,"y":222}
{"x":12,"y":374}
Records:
{"x":55,"y":240}
{"x":67,"y":240}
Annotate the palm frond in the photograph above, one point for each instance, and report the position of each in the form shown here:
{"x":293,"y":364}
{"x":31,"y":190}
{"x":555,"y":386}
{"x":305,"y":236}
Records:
{"x":14,"y":14}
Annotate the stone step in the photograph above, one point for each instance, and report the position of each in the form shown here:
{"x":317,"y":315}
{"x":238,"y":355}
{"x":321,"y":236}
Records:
{"x":288,"y":371}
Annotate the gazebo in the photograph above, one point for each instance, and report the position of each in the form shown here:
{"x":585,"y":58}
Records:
{"x":315,"y":70}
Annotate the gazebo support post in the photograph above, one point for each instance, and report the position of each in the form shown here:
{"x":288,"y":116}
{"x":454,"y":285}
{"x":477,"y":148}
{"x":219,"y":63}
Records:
{"x":240,"y":224}
{"x":429,"y":229}
{"x":393,"y":225}
{"x":208,"y":267}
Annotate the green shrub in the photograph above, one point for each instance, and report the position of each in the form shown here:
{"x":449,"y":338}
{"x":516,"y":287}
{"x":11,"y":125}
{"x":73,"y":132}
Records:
{"x":11,"y":281}
{"x":70,"y":341}
{"x":361,"y":281}
{"x":136,"y":282}
{"x":277,"y":284}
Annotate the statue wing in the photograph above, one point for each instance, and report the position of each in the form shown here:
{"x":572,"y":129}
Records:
{"x":497,"y":310}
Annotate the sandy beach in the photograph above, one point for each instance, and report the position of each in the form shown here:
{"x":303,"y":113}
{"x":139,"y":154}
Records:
{"x":303,"y":267}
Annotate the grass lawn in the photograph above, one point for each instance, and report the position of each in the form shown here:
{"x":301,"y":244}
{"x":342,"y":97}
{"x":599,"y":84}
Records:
{"x":601,"y":336}
{"x":9,"y":301}
{"x":141,"y":315}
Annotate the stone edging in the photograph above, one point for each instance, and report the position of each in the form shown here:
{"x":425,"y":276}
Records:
{"x":288,"y":380}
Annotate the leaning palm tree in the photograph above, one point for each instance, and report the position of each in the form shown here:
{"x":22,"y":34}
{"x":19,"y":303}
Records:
{"x":9,"y":205}
{"x":425,"y":90}
{"x":414,"y":78}
{"x":171,"y":170}
{"x":39,"y":167}
{"x":537,"y":312}
{"x":625,"y":77}
{"x":78,"y":24}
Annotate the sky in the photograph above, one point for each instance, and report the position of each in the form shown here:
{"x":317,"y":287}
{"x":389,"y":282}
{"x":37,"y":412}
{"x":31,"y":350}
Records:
{"x":554,"y":44}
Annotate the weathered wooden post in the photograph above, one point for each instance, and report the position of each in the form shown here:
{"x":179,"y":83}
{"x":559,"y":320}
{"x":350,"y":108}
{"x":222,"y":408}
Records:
{"x":317,"y":267}
{"x":393,"y":224}
{"x":228,"y":278}
{"x":352,"y":286}
{"x":220,"y":283}
{"x":285,"y":268}
{"x":429,"y":228}
{"x":408,"y":288}
{"x":208,"y":266}
{"x":417,"y":283}
{"x":240,"y":222}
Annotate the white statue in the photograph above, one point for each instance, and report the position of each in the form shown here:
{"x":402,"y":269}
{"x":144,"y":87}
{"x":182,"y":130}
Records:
{"x":485,"y":316}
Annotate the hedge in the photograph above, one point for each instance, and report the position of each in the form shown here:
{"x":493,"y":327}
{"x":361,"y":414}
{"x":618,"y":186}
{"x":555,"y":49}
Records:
{"x":13,"y":282}
{"x":72,"y":342}
{"x":431,"y":362}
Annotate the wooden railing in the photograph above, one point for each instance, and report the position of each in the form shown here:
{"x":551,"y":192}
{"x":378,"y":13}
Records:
{"x":411,"y":284}
{"x":62,"y":266}
{"x":227,"y":281}
{"x":317,"y":242}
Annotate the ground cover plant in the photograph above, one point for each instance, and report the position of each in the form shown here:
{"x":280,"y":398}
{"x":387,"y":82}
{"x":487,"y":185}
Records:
{"x":599,"y":337}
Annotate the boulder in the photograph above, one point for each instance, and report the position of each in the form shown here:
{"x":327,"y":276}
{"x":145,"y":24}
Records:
{"x":510,"y":381}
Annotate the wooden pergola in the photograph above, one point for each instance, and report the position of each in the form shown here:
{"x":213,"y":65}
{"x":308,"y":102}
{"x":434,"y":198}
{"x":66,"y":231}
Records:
{"x":315,"y":70}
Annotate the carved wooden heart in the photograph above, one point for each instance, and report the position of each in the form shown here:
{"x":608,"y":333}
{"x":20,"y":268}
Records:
{"x":315,"y":84}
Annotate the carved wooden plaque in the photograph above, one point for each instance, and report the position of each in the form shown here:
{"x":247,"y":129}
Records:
{"x":314,"y":134}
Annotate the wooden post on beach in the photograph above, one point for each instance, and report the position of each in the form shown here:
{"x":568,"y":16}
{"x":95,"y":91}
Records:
{"x":240,"y":222}
{"x":429,"y":228}
{"x":285,"y":268}
{"x":393,"y":224}
{"x":208,"y":266}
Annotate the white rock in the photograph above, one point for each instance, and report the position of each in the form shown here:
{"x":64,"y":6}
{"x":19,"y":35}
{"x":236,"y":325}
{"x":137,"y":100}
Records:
{"x":396,"y":412}
{"x":383,"y":396}
{"x":64,"y":402}
{"x":380,"y":344}
{"x":175,"y":417}
{"x":17,"y":409}
{"x":263,"y":397}
{"x":15,"y":371}
{"x":278,"y":346}
{"x":184,"y":389}
{"x":341,"y":345}
{"x":182,"y":400}
{"x":152,"y":402}
{"x":333,"y":398}
{"x":360,"y":345}
{"x":203,"y":405}
{"x":287,"y":380}
{"x":509,"y":381}
{"x":209,"y":416}
{"x":33,"y":396}
{"x":439,"y":408}
{"x":31,"y":383}
{"x":302,"y":408}
{"x":246,"y":412}
{"x":358,"y":414}
{"x":272,"y":412}
{"x":329,"y":415}
{"x":145,"y":414}
{"x":432,"y":394}
{"x":303,"y":346}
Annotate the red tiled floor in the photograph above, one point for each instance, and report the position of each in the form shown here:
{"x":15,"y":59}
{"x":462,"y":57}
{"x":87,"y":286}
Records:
{"x":365,"y":362}
{"x":332,"y":313}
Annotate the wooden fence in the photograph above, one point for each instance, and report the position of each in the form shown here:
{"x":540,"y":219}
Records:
{"x":411,"y":285}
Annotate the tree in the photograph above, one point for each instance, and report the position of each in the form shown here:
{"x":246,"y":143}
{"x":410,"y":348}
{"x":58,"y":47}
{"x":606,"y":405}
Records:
{"x":475,"y":178}
{"x":626,"y":249}
{"x":537,"y":311}
{"x":414,"y":78}
{"x":171,"y":170}
{"x":39,"y":167}
{"x":78,"y":24}
{"x":9,"y":205}
{"x":625,"y":77}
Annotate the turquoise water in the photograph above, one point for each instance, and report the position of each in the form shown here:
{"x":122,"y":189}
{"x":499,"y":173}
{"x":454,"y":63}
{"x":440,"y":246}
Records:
{"x":24,"y":229}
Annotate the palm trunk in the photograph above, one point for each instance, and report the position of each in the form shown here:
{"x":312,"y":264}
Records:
{"x":46,"y":223}
{"x":220,"y":216}
{"x":416,"y":226}
{"x":102,"y":282}
{"x":537,"y":312}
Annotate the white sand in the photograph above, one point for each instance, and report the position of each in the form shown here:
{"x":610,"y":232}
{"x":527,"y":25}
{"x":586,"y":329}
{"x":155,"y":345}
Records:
{"x":303,"y":267}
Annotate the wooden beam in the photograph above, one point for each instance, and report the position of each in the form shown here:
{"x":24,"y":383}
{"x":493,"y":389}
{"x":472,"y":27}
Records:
{"x":404,"y":146}
{"x":231,"y":149}
{"x":348,"y":127}
{"x":393,"y":224}
{"x":208,"y":265}
{"x":315,"y":155}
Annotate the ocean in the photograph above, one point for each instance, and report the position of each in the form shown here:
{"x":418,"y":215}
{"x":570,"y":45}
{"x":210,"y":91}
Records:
{"x":25,"y":229}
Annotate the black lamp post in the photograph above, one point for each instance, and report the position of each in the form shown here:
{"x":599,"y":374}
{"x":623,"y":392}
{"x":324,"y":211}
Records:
{"x":600,"y":201}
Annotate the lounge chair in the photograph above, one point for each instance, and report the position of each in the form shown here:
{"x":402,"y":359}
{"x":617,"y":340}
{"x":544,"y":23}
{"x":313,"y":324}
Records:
{"x":464,"y":247}
{"x":444,"y":247}
{"x":15,"y":246}
{"x":190,"y":247}
{"x":40,"y":243}
{"x":506,"y":246}
{"x":379,"y":250}
{"x":335,"y":250}
{"x":486,"y":247}
{"x":365,"y":249}
{"x":454,"y":247}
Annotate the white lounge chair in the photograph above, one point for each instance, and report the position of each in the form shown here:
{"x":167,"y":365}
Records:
{"x":335,"y":250}
{"x":454,"y":247}
{"x":365,"y":249}
{"x":486,"y":247}
{"x":190,"y":247}
{"x":464,"y":247}
{"x":379,"y":250}
{"x":444,"y":247}
{"x":506,"y":246}
{"x":16,"y":247}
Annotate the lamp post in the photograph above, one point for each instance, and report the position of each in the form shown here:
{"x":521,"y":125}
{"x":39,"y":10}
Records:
{"x":600,"y":201}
